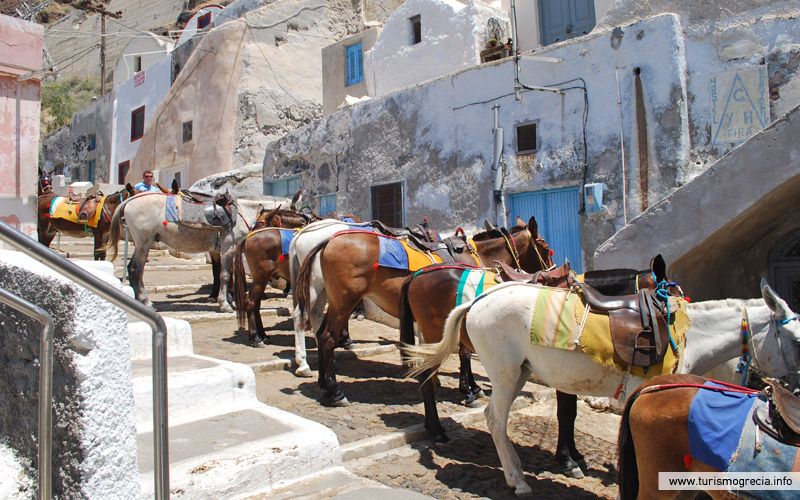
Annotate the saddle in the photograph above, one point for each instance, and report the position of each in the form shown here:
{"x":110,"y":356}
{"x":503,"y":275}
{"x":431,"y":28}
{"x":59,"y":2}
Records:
{"x":418,"y":231}
{"x":639,"y":329}
{"x":87,"y":207}
{"x":557,"y":278}
{"x":781,"y":417}
{"x":212,"y":207}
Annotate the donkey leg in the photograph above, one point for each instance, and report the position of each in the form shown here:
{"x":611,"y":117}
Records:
{"x":136,"y":271}
{"x":466,"y":380}
{"x":257,"y":327}
{"x":432,"y":423}
{"x":326,"y":343}
{"x":507,"y":384}
{"x":566,"y":452}
{"x":224,"y":281}
{"x":99,"y":245}
{"x":216,"y":266}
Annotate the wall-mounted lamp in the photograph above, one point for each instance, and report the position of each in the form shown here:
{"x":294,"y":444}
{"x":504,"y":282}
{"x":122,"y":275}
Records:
{"x":616,"y":37}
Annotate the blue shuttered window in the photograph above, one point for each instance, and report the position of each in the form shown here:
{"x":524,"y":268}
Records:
{"x":327,"y":203}
{"x":285,"y":187}
{"x":90,"y":169}
{"x":556,"y":212}
{"x":355,"y":65}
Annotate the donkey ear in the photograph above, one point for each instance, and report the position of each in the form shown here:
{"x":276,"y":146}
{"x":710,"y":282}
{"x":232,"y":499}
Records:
{"x":659,"y":268}
{"x":532,"y":226}
{"x":776,"y":304}
{"x":298,"y":196}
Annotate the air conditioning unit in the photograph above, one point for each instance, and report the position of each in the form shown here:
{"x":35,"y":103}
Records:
{"x":593,"y":196}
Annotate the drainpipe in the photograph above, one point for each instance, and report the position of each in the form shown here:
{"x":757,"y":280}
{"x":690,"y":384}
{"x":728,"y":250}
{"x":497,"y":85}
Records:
{"x":498,"y":165}
{"x":517,"y":85}
{"x":622,"y":148}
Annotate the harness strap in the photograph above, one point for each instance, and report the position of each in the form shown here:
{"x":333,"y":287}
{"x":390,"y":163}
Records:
{"x":473,"y":249}
{"x":728,"y":387}
{"x":512,"y":247}
{"x":744,"y":361}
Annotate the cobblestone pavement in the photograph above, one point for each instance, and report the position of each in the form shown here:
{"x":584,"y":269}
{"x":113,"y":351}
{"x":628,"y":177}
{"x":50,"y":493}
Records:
{"x":382,"y":401}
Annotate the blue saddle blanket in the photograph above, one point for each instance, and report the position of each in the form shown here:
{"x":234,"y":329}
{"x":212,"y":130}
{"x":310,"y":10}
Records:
{"x":716,"y":420}
{"x":287,"y":235}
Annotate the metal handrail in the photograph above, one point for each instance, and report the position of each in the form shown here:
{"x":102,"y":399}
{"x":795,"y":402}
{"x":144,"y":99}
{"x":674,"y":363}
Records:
{"x":83,"y":277}
{"x":45,"y":388}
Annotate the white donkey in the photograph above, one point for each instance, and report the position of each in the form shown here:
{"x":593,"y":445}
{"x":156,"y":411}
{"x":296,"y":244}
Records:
{"x":500,"y":328}
{"x":145,"y":217}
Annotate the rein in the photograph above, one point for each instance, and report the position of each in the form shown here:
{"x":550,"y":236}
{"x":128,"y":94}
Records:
{"x":727,"y":387}
{"x":536,"y":248}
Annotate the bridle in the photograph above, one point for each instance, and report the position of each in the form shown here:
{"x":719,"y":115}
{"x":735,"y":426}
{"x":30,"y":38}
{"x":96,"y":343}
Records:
{"x":744,"y":366}
{"x":534,"y":242}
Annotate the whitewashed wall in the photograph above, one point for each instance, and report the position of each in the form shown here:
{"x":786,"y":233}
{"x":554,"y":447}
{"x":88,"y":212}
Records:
{"x":130,"y":96}
{"x":453,"y":34}
{"x":150,"y":47}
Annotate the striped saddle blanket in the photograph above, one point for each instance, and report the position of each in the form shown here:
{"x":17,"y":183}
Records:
{"x":64,"y":208}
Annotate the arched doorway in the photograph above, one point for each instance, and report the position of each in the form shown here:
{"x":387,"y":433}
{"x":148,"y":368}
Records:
{"x":784,"y":268}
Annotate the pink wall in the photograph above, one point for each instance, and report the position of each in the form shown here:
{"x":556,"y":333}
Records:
{"x":20,"y":54}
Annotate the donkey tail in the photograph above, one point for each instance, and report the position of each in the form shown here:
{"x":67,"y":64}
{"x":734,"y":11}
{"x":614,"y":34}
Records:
{"x":627,"y":468}
{"x":239,"y":282}
{"x":429,"y":357}
{"x":302,"y":288}
{"x":115,"y":231}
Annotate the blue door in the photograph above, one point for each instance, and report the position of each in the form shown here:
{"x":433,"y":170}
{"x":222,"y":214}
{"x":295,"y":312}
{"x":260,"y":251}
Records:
{"x":564,"y":19}
{"x":556,"y":212}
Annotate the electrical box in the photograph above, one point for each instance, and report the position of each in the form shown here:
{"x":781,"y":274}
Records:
{"x":593,"y":196}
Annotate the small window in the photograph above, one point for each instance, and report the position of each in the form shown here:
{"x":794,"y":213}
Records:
{"x":137,"y":124}
{"x":387,"y":204}
{"x":327,"y":203}
{"x":187,"y":131}
{"x":177,"y":178}
{"x":122,"y":172}
{"x":526,"y":138}
{"x":355,"y":65}
{"x":416,"y":30}
{"x":137,"y":64}
{"x":90,"y":170}
{"x":91,"y":142}
{"x":285,"y":187}
{"x":59,"y":170}
{"x":203,"y":21}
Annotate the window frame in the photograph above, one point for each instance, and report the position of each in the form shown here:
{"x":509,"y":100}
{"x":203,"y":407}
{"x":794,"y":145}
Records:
{"x":91,"y":142}
{"x":284,"y":184}
{"x":354,"y":63}
{"x":398,"y":216}
{"x":184,"y":140}
{"x":122,"y":171}
{"x":416,"y":29}
{"x":323,"y":202}
{"x":205,"y":17}
{"x":135,"y":113}
{"x":535,"y":125}
{"x":91,"y":170}
{"x":137,"y":64}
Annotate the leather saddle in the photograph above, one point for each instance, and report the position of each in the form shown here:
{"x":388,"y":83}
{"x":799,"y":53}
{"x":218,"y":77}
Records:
{"x":217,"y":214}
{"x":557,"y":278}
{"x":781,"y":417}
{"x":87,"y":207}
{"x":639,"y":329}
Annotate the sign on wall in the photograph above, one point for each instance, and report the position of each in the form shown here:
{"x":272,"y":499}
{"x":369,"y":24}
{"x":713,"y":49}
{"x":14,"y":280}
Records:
{"x":739,"y":104}
{"x":138,"y":79}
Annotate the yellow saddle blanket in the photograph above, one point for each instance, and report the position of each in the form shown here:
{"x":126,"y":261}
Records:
{"x":559,"y":313}
{"x":64,"y":208}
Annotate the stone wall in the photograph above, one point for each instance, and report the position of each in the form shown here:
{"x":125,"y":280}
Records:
{"x":94,"y":434}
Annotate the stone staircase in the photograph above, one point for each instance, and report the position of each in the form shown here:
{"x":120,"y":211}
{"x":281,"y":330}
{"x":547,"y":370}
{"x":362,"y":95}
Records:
{"x":224,"y":443}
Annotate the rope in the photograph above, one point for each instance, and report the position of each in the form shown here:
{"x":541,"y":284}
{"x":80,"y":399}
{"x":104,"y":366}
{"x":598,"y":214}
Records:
{"x":727,"y":387}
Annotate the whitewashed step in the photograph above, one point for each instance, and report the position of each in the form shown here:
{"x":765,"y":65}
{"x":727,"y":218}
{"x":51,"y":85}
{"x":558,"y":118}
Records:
{"x":198,"y":387}
{"x":232,"y":455}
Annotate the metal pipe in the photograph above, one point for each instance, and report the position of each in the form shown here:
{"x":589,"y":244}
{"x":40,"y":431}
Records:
{"x":622,"y":147}
{"x":45,"y":388}
{"x":498,"y":167}
{"x":514,"y":50}
{"x":83,"y":277}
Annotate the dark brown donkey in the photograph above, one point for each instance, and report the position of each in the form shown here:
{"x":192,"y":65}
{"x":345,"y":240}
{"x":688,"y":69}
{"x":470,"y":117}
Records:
{"x":49,"y":227}
{"x":428,"y":296}
{"x":348,"y":262}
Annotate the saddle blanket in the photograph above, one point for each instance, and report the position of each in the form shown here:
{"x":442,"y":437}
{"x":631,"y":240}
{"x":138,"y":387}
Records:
{"x":556,"y":318}
{"x":177,"y":209}
{"x":474,"y":282}
{"x":64,"y":208}
{"x":722,"y":434}
{"x":287,"y":235}
{"x":398,"y":254}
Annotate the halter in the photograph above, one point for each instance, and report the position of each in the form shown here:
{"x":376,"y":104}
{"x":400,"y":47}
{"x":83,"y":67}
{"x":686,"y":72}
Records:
{"x":745,"y":360}
{"x":536,"y":248}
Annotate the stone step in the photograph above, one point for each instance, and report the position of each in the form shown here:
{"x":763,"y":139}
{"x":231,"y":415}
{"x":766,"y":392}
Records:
{"x":251,"y":450}
{"x":198,"y":387}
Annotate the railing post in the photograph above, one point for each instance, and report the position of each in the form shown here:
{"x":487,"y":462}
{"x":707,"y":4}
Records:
{"x":83,"y":277}
{"x":45,"y":388}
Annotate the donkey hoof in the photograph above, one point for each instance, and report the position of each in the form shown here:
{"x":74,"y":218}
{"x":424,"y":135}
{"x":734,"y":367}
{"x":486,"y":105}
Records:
{"x":346,"y":342}
{"x":303,"y":371}
{"x":225,"y":308}
{"x":575,"y":473}
{"x":522,"y":489}
{"x":440,"y":437}
{"x":337,"y":400}
{"x":257,"y":344}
